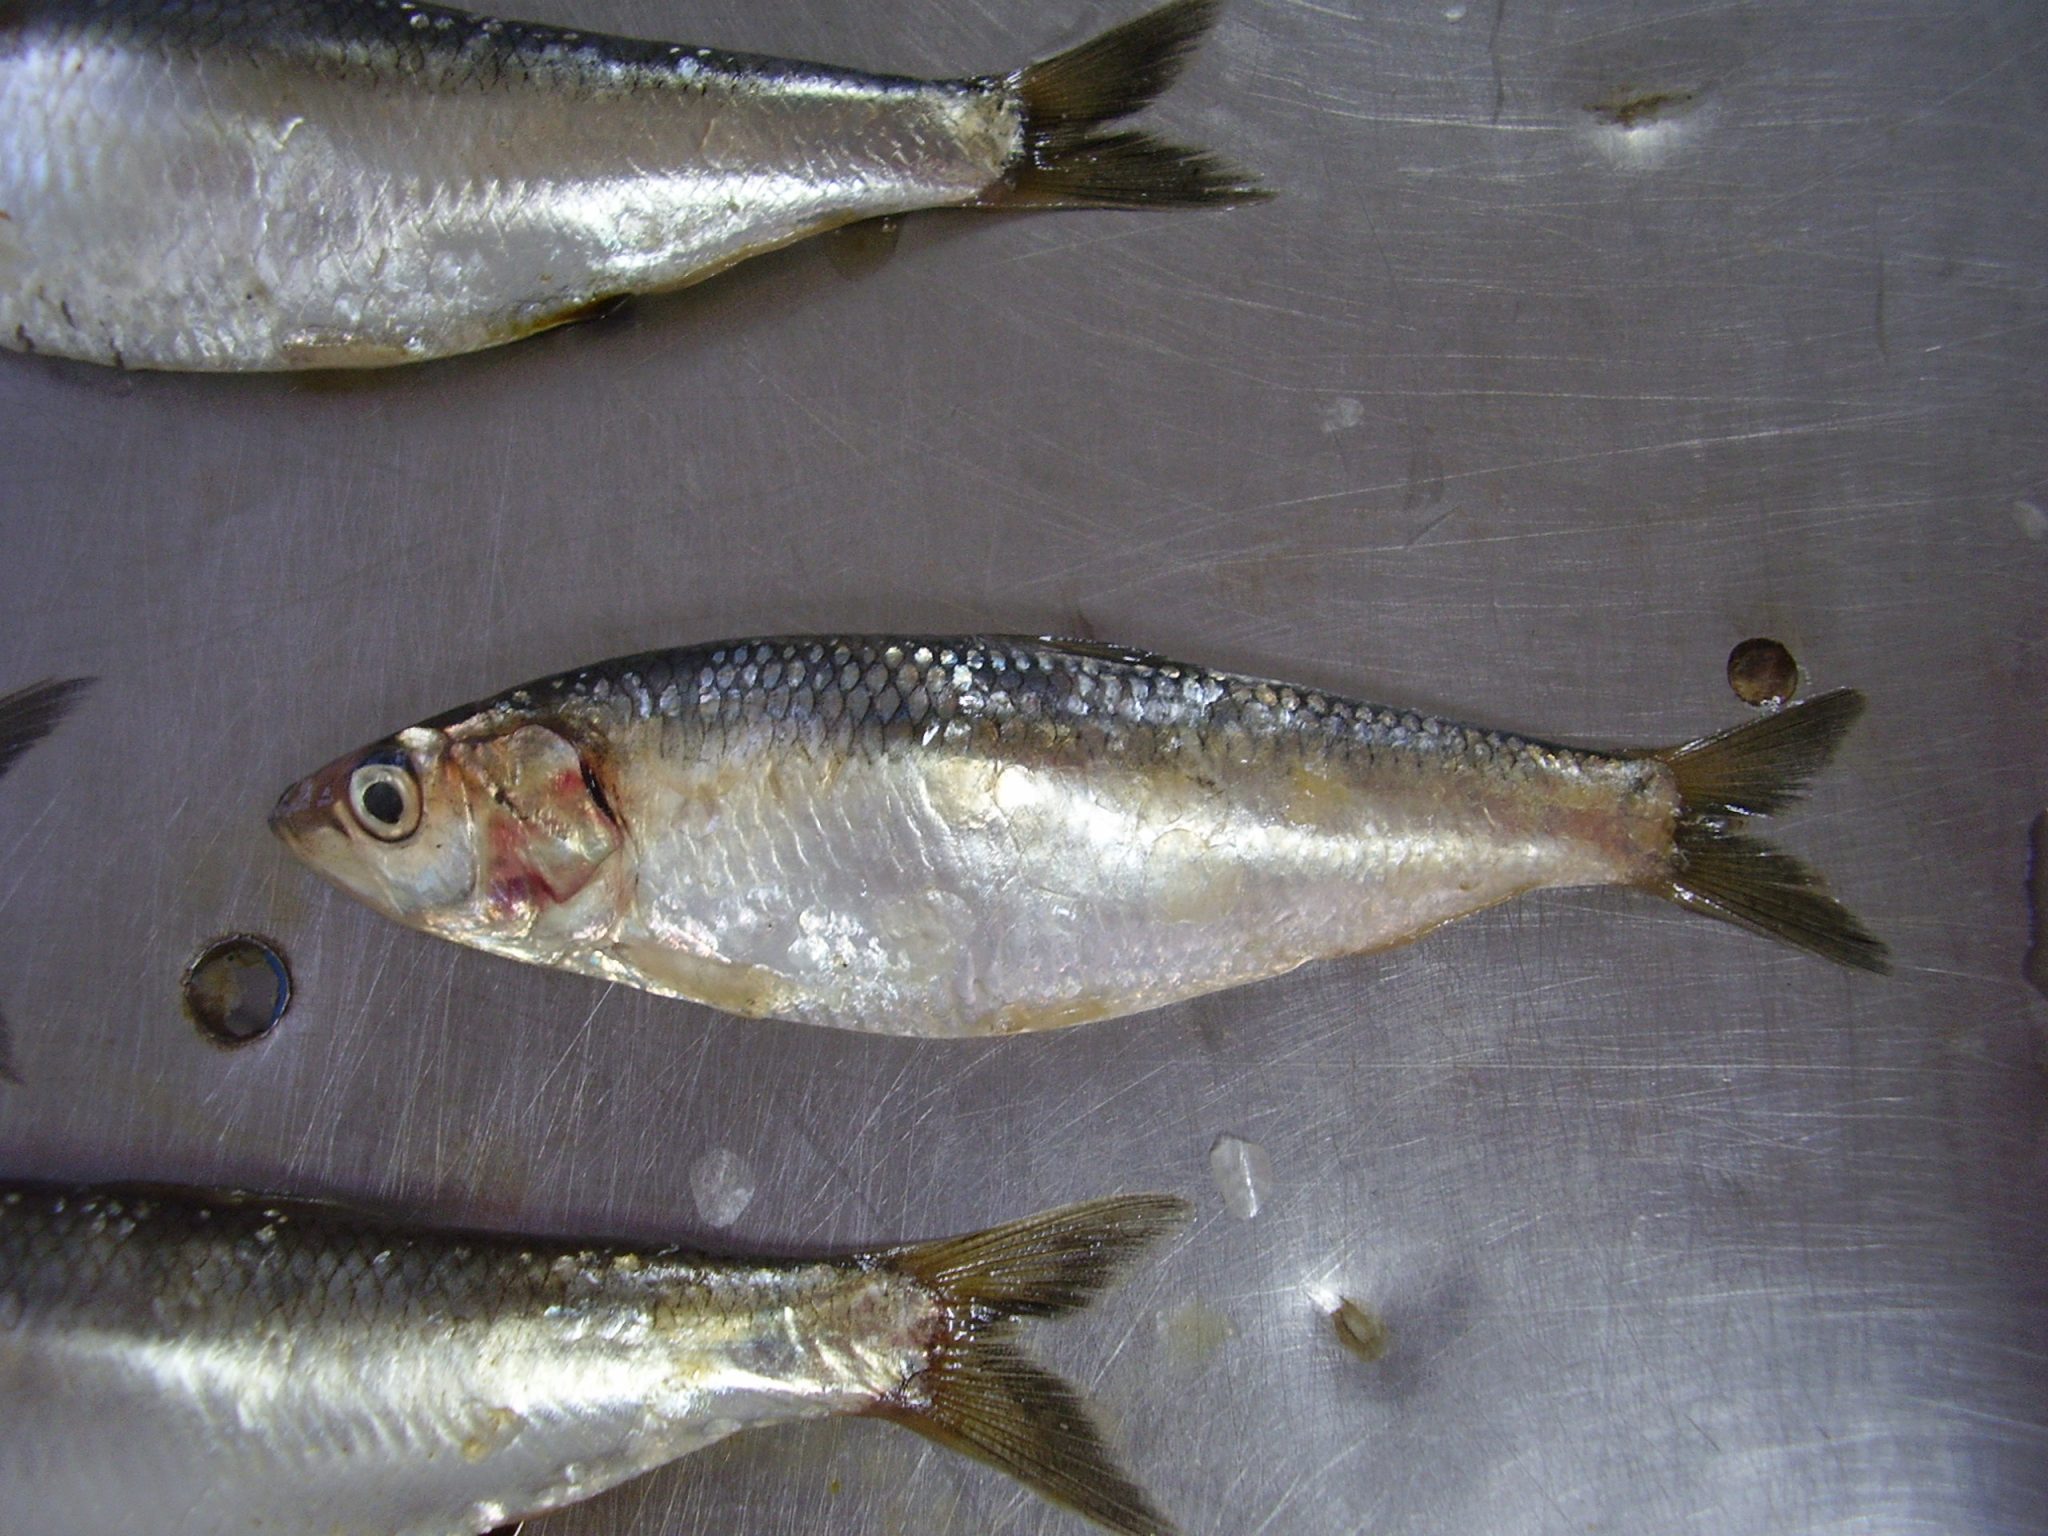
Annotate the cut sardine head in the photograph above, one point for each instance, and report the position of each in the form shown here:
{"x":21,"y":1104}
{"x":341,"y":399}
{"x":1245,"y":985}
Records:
{"x":389,"y":824}
{"x":486,"y":834}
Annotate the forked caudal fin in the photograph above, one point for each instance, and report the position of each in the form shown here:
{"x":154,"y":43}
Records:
{"x":1755,"y":770}
{"x":983,"y":1396}
{"x":27,"y":715}
{"x":1070,"y":159}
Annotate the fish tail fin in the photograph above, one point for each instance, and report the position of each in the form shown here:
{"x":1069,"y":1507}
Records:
{"x":1071,"y":160}
{"x":29,"y":714}
{"x":1757,"y":769}
{"x":983,"y":1396}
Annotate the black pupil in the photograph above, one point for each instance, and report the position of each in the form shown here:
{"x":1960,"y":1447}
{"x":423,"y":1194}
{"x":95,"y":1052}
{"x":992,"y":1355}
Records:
{"x":383,"y":802}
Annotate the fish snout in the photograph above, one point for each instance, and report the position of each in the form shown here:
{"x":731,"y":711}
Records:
{"x":307,"y":807}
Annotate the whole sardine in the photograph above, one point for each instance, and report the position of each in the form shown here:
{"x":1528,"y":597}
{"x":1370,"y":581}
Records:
{"x":259,"y":184}
{"x":978,"y":835}
{"x":193,"y":1365}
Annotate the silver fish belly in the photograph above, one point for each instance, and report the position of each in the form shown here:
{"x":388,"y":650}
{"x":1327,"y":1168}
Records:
{"x":201,"y":1365}
{"x":266,"y":184}
{"x":980,"y":835}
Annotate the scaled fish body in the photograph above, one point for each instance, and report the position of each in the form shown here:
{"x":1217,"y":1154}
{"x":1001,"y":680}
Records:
{"x":264,"y":184}
{"x":978,"y":835}
{"x":192,"y":1365}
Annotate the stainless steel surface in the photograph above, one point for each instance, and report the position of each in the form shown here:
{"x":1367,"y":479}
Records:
{"x":1587,"y":340}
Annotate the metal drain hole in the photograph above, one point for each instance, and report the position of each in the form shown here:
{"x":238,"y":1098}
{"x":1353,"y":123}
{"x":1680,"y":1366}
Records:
{"x":236,"y":989}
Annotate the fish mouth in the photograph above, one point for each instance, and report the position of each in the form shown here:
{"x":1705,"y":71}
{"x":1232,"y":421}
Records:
{"x":306,"y":809}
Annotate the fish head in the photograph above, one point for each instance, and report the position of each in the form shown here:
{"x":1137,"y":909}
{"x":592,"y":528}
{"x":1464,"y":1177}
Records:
{"x":479,"y":832}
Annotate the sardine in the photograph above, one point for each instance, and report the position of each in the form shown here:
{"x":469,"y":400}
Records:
{"x":267,"y":184}
{"x":195,"y":1365}
{"x":27,"y":715}
{"x":971,"y":836}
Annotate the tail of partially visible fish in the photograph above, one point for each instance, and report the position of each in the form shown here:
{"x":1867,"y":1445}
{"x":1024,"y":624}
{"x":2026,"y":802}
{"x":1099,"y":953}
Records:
{"x":982,"y":1396}
{"x":27,"y":715}
{"x":1755,"y":770}
{"x":556,"y":170}
{"x":1072,"y":159}
{"x":208,"y":1363}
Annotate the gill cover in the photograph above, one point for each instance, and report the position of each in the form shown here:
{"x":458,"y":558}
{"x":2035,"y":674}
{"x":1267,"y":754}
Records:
{"x":543,"y":826}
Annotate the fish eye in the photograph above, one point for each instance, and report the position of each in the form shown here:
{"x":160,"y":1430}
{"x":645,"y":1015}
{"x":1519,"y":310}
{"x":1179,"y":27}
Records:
{"x":385,"y":800}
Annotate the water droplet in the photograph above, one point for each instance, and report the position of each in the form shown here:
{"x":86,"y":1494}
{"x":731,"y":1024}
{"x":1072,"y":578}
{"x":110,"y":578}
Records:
{"x":1342,"y":414}
{"x":1454,"y":13}
{"x":1195,"y":1333}
{"x":1762,"y":672}
{"x":1243,"y":1173}
{"x":236,"y":989}
{"x":722,"y":1185}
{"x":2032,"y":518}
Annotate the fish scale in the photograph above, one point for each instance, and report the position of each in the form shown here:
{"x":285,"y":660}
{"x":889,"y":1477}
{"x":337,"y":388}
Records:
{"x":1128,"y":705}
{"x":873,"y":685}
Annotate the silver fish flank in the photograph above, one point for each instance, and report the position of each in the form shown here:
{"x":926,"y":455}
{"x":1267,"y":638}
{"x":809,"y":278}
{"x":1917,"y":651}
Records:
{"x":976,"y":835}
{"x":199,"y":1365}
{"x":274,"y":184}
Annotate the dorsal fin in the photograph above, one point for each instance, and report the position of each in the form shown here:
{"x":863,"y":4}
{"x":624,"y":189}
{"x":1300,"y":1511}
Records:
{"x":1092,"y":650}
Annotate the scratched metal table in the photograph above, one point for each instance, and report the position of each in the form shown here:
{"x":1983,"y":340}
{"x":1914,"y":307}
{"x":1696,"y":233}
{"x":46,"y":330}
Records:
{"x":1587,"y":339}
